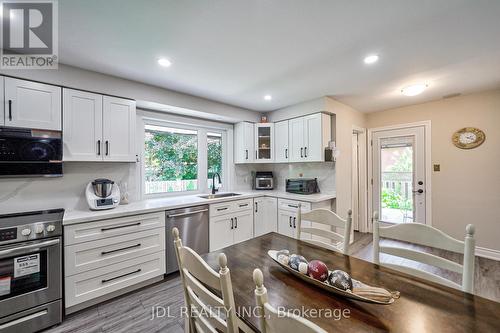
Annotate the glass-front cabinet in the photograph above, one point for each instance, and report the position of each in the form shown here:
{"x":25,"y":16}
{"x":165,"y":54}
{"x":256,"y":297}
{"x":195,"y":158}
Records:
{"x":264,"y":146}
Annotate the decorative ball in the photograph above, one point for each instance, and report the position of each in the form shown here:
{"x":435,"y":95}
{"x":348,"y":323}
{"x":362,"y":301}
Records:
{"x":317,"y":270}
{"x":340,"y":279}
{"x":303,"y":268}
{"x":283,"y":259}
{"x":285,"y":252}
{"x":295,"y":260}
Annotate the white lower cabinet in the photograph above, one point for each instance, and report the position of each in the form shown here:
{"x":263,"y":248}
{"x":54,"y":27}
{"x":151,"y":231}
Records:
{"x":265,"y":215}
{"x":230,"y":223}
{"x":106,"y":256}
{"x":287,"y":216}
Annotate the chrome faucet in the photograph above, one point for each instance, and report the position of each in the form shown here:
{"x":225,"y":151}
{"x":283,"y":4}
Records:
{"x":213,"y":182}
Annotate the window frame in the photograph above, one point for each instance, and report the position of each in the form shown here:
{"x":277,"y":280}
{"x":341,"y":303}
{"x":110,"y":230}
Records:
{"x":202,"y":130}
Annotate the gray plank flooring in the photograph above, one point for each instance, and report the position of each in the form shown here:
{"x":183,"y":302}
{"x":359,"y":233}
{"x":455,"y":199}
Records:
{"x":132,"y":312}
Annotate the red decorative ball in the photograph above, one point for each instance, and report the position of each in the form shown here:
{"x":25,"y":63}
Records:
{"x":317,"y":270}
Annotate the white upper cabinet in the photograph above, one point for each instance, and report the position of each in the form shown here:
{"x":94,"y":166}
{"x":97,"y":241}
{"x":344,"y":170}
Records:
{"x":118,"y":129}
{"x":308,"y":137}
{"x":244,"y":142}
{"x":281,"y":150}
{"x":32,"y":105}
{"x":98,"y":128}
{"x":82,"y":126}
{"x":264,"y":135}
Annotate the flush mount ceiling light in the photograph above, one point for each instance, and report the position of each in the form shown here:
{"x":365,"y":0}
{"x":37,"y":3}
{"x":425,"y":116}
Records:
{"x":371,"y":59}
{"x":268,"y":97}
{"x":414,"y":90}
{"x":164,"y":62}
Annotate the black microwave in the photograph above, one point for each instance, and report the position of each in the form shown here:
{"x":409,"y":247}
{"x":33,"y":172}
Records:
{"x":302,"y":185}
{"x":30,"y":152}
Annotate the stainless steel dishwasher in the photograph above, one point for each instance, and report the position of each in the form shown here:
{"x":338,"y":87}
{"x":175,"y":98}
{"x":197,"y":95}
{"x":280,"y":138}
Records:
{"x":192,"y":223}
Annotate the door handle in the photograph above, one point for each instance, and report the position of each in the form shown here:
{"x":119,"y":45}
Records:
{"x":235,"y":223}
{"x":286,"y":152}
{"x":256,"y":207}
{"x":232,"y":223}
{"x":246,"y":154}
{"x":121,"y":226}
{"x":305,"y":151}
{"x":29,"y":248}
{"x":419,"y":191}
{"x":290,"y":221}
{"x":98,"y":147}
{"x":10,"y":110}
{"x":187,"y":213}
{"x":121,"y":249}
{"x":302,"y":152}
{"x":107,"y":147}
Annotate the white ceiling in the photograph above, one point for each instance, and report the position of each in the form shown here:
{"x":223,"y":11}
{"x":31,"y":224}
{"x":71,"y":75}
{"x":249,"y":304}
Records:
{"x":236,"y":51}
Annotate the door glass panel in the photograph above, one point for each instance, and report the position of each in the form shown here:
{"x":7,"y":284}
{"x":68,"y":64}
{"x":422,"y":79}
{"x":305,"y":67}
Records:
{"x":396,"y":178}
{"x":264,"y":142}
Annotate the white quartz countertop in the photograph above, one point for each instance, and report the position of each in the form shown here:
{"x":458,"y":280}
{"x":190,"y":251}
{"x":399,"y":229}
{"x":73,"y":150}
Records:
{"x":160,"y":204}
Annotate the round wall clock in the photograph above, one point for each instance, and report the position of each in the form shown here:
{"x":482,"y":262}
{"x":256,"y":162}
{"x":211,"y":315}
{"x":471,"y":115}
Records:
{"x":468,"y":138}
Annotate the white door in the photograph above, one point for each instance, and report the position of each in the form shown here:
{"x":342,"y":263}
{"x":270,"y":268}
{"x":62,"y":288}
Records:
{"x":399,"y":183}
{"x":264,"y":138}
{"x":313,"y":137}
{"x":221,"y":232}
{"x":118,"y":129}
{"x":32,"y":105}
{"x":281,"y":151}
{"x":265,"y":216}
{"x":82,"y":126}
{"x":243,"y":226}
{"x":296,"y":139}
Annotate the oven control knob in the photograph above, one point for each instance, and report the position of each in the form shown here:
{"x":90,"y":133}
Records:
{"x":39,"y":229}
{"x":26,"y":232}
{"x":51,"y":228}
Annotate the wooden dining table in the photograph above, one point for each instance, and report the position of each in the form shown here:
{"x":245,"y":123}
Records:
{"x":423,"y":306}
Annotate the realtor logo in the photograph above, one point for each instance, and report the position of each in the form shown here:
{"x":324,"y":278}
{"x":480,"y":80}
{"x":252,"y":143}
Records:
{"x":29,"y":34}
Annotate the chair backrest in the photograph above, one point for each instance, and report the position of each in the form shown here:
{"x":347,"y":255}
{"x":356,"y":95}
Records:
{"x":325,"y":237}
{"x":425,"y":235}
{"x":271,"y":320}
{"x":207,"y":312}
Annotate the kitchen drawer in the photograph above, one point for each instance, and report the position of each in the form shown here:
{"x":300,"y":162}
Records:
{"x":87,"y":256}
{"x":99,"y":282}
{"x":293,"y":205}
{"x":91,"y":231}
{"x":230,"y":207}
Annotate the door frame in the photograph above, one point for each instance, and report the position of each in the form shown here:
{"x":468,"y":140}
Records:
{"x":428,"y":167}
{"x":362,"y":183}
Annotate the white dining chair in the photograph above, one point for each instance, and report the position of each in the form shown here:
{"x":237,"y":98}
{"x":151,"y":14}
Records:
{"x":206,"y":312}
{"x":325,"y":236}
{"x":425,"y":235}
{"x":274,"y":321}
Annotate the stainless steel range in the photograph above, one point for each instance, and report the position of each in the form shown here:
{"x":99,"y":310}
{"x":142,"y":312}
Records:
{"x":30,"y":270}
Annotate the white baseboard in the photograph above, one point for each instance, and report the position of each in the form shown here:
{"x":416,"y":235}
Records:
{"x":488,"y":253}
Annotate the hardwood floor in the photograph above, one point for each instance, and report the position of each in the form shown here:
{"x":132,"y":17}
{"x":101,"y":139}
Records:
{"x":132,"y":312}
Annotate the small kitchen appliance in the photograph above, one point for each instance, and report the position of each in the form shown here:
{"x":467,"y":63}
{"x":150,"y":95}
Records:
{"x":302,"y":185}
{"x":102,"y":193}
{"x":264,"y":180}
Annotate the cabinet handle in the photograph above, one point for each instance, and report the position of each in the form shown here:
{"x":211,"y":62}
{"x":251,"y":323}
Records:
{"x":243,"y":205}
{"x":219,"y":209}
{"x":98,"y":147}
{"x":121,"y":226}
{"x":256,"y":207}
{"x":121,"y":249}
{"x":301,"y":152}
{"x":294,"y":223}
{"x":10,"y":110}
{"x":256,"y":156}
{"x":286,"y":152}
{"x":107,"y":147}
{"x":290,"y":221}
{"x":305,"y":151}
{"x":235,"y":223}
{"x":120,"y":276}
{"x":293,"y":206}
{"x":246,"y":152}
{"x":232,"y":223}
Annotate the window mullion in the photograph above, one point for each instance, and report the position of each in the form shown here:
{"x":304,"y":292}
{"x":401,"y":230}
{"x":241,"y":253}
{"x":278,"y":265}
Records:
{"x":202,"y":160}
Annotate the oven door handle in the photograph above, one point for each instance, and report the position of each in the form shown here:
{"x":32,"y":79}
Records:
{"x":29,"y":248}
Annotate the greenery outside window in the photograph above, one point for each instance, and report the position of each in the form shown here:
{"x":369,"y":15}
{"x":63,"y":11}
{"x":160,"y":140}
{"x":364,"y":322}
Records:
{"x":214,"y":154}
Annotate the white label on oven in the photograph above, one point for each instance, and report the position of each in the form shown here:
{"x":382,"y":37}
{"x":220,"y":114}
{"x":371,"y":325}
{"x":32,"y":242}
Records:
{"x":4,"y":285}
{"x":26,"y":265}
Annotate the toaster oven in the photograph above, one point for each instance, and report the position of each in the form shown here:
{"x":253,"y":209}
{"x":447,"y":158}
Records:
{"x":264,"y":180}
{"x":302,"y":185}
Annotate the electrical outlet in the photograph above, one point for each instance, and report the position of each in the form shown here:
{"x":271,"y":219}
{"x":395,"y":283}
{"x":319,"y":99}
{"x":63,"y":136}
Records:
{"x":437,"y":167}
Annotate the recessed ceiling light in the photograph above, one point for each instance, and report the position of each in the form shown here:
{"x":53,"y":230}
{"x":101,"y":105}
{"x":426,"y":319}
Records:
{"x":414,"y":90}
{"x":164,"y":62}
{"x":268,"y":97}
{"x":371,"y":59}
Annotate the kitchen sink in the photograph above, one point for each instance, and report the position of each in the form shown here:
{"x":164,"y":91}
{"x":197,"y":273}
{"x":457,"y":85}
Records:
{"x":219,"y":195}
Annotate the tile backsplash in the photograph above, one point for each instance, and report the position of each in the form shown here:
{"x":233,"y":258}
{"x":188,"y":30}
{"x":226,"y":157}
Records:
{"x":325,"y":172}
